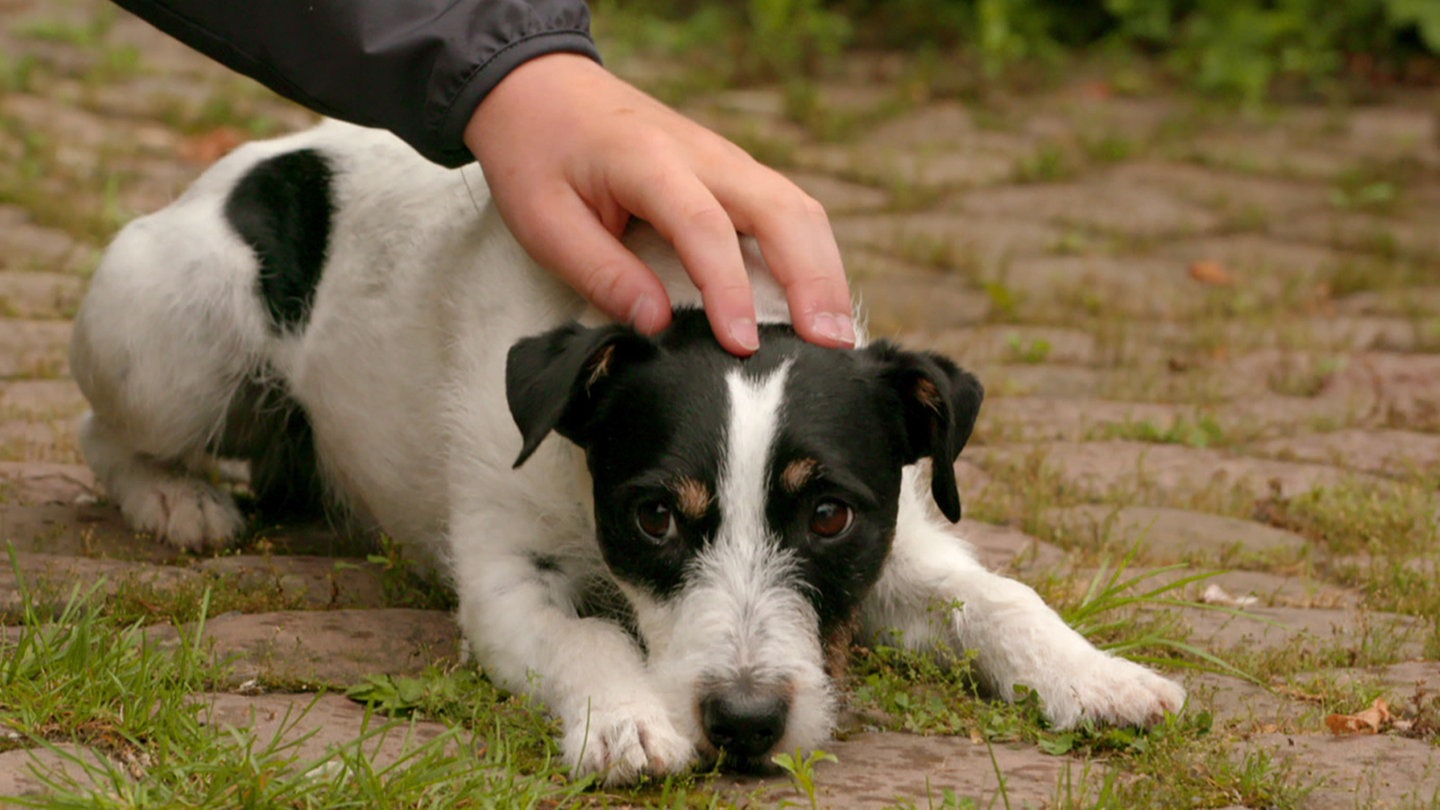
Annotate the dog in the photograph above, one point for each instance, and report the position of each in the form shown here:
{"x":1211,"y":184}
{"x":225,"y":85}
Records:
{"x":677,"y":576}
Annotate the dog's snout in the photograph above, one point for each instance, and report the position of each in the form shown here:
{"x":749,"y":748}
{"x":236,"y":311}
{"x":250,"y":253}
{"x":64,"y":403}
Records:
{"x":744,"y":723}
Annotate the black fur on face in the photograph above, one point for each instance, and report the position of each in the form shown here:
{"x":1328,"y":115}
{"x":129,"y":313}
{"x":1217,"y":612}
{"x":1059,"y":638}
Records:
{"x":652,"y":416}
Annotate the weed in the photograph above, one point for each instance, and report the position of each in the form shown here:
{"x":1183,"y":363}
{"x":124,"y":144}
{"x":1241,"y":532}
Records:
{"x":1397,"y":519}
{"x":1203,"y":431}
{"x":1304,"y":376}
{"x":1108,"y":148}
{"x":1030,"y":352}
{"x":801,"y":768}
{"x":1049,"y":164}
{"x":87,"y":34}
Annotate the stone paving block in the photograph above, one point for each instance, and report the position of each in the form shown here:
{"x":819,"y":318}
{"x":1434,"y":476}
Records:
{"x":1173,"y":470}
{"x":30,"y":773}
{"x":983,"y":239}
{"x":52,"y":579}
{"x":1270,"y":151}
{"x":321,"y":582}
{"x":900,"y":301}
{"x":1114,"y":204}
{"x":1040,"y":419}
{"x":42,"y":399}
{"x":1364,"y":232}
{"x":1256,"y":260}
{"x":39,"y":294}
{"x":1278,"y":627}
{"x":49,"y":440}
{"x":1012,"y":343}
{"x":1403,"y":301}
{"x":1385,"y":131}
{"x":881,"y":770}
{"x":1240,"y":705}
{"x":1360,"y":770}
{"x":1405,"y":680}
{"x":839,"y":196}
{"x":1178,"y":535}
{"x":1009,"y":550}
{"x":39,"y":483}
{"x":934,"y":167}
{"x":31,"y":348}
{"x":26,"y":246}
{"x":87,"y":530}
{"x":1386,"y":452}
{"x":307,"y":727}
{"x":333,"y":647}
{"x":1384,"y":387}
{"x":1128,"y":286}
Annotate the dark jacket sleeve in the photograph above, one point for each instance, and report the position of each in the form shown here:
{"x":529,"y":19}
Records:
{"x":418,"y":68}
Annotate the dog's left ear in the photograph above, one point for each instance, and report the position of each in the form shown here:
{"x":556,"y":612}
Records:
{"x":554,"y":379}
{"x":940,"y":401}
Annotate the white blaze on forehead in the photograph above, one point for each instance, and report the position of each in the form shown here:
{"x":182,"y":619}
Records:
{"x":755,"y":413}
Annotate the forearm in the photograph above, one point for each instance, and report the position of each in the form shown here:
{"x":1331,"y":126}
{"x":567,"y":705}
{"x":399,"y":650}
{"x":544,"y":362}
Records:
{"x":418,"y":68}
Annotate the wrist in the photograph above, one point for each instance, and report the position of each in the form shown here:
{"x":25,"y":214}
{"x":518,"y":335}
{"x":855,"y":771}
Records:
{"x":514,"y":100}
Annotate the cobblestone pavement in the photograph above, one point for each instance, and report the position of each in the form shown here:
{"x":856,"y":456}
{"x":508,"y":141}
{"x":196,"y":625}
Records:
{"x":1210,"y":337}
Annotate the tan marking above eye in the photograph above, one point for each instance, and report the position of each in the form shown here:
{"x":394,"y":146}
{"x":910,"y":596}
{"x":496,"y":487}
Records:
{"x":693,"y":498}
{"x":798,"y":473}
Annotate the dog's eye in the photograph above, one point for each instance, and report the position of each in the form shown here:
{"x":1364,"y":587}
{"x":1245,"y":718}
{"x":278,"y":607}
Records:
{"x":656,"y":520}
{"x":831,"y":519}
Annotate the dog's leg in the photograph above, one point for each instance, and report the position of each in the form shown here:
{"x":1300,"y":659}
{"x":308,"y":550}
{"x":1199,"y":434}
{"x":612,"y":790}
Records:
{"x":168,"y":500}
{"x":517,"y":611}
{"x":934,"y":592}
{"x":160,"y":343}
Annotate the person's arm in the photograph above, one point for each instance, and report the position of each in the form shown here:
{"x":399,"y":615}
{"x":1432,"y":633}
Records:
{"x":570,"y":151}
{"x":415,"y":67}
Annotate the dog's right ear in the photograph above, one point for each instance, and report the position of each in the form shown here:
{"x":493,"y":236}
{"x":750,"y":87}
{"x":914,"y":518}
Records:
{"x":553,"y":380}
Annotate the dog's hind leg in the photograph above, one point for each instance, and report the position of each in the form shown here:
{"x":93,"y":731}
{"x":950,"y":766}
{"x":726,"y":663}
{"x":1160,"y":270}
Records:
{"x":162,"y":343}
{"x":934,"y":593}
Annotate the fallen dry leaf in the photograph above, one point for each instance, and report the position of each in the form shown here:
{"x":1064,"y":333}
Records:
{"x":1369,"y":721}
{"x":209,"y":147}
{"x":1211,"y":272}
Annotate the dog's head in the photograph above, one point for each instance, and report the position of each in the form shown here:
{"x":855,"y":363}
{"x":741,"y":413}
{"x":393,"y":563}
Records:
{"x":744,"y":506}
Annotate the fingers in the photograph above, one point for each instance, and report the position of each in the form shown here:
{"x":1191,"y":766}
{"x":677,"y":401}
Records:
{"x":668,"y":194}
{"x":569,"y":238}
{"x":799,"y":246}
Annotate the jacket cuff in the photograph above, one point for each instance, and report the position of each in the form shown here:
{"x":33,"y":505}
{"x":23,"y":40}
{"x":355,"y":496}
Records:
{"x":489,"y":74}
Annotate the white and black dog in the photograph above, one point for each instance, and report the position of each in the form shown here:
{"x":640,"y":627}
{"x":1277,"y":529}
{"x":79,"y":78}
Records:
{"x":677,"y":576}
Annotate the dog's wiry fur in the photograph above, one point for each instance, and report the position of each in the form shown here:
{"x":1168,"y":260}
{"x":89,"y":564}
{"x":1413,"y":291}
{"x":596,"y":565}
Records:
{"x":673,"y":574}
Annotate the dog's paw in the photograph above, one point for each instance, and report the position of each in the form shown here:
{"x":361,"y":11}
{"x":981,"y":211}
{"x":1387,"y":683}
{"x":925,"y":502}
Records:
{"x":1110,"y":691}
{"x":625,"y":743}
{"x":185,"y":512}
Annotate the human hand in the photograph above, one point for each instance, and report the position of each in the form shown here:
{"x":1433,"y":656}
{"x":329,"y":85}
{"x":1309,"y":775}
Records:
{"x":571,"y":152}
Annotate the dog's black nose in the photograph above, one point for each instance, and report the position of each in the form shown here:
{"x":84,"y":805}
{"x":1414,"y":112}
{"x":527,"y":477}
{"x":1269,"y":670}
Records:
{"x":743,"y":723}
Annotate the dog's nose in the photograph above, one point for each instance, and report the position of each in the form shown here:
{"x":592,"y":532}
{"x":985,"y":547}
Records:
{"x":744,"y":723}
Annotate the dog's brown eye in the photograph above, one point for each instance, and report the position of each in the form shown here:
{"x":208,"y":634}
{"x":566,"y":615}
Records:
{"x":656,"y":520}
{"x":831,"y":519}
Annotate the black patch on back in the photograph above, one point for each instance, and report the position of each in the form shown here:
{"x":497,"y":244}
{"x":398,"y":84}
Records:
{"x":282,"y":208}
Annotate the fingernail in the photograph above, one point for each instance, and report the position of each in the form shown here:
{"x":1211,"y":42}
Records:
{"x":746,"y":333}
{"x":645,"y":316}
{"x":838,"y":328}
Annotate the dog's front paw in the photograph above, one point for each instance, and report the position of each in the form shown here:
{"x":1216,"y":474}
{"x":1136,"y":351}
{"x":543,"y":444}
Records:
{"x":1111,"y":691}
{"x":185,"y":512}
{"x":624,"y":743}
